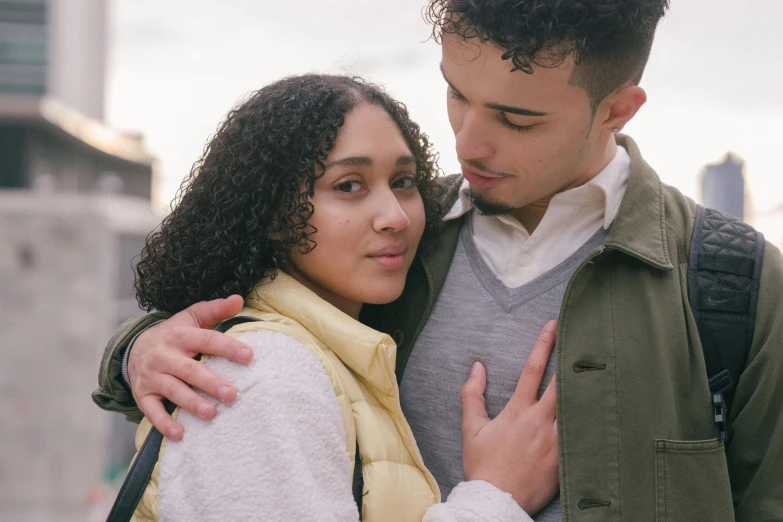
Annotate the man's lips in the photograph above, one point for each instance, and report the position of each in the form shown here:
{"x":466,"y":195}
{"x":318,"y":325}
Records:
{"x":480,"y":179}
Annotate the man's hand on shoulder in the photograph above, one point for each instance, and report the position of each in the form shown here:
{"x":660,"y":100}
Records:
{"x":161,"y":363}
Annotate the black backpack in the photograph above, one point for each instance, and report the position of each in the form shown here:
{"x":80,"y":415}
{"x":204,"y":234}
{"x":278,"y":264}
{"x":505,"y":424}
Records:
{"x":724,"y":270}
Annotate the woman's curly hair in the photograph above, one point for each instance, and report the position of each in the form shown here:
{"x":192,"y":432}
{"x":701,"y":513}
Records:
{"x":610,"y":40}
{"x":253,"y":181}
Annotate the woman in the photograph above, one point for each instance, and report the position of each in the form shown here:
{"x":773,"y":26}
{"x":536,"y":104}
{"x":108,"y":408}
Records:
{"x":310,"y":201}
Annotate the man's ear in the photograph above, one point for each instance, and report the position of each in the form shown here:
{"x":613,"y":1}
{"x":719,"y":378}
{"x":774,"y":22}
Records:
{"x":621,"y":106}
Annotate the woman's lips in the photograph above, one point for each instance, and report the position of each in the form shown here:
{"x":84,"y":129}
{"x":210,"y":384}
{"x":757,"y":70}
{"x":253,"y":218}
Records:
{"x":480,"y":180}
{"x":391,"y":262}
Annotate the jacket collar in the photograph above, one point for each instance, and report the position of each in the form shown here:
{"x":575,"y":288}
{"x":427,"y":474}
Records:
{"x":639,"y":229}
{"x":369,"y":353}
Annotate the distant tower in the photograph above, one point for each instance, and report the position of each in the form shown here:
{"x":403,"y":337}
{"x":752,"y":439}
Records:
{"x":723,"y":186}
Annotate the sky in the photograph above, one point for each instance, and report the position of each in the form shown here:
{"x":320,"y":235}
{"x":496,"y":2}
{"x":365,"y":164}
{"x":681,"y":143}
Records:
{"x":176,"y":67}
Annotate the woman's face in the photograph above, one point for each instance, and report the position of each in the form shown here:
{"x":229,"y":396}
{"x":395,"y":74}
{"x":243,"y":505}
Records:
{"x":368,"y":214}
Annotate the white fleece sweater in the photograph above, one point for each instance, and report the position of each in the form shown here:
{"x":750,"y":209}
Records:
{"x":278,"y":451}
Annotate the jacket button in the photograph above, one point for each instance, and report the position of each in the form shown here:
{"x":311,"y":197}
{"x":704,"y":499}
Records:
{"x":398,"y":337}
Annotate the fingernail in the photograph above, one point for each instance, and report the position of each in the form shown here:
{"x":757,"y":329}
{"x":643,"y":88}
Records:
{"x":475,"y":370}
{"x":551,"y":326}
{"x":223,"y":392}
{"x":245,"y":353}
{"x":174,"y":432}
{"x":203,"y":410}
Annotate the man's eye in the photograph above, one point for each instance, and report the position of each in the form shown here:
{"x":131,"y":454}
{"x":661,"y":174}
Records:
{"x":348,"y":186}
{"x":515,"y":127}
{"x":456,"y":95}
{"x":404,"y":183}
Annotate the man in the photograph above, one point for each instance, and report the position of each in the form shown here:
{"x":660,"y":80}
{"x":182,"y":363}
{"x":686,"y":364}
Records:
{"x":556,"y":215}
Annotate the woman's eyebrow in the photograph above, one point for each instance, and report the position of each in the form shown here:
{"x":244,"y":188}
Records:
{"x":352,"y":161}
{"x":365,"y":161}
{"x":404,"y":161}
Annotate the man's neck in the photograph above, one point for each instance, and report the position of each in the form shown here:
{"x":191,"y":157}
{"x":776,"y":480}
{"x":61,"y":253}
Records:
{"x":530,"y":216}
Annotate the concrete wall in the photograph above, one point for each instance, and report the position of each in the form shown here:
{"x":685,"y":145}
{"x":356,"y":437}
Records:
{"x":59,"y":303}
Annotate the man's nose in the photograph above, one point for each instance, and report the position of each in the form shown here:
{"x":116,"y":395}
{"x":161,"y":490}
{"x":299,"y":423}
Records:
{"x":473,"y":138}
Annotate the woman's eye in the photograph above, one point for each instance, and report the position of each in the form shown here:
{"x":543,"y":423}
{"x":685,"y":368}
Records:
{"x":404,"y":183}
{"x":347,"y":187}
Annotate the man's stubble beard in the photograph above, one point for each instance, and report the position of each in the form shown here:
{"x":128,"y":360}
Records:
{"x":488,"y":207}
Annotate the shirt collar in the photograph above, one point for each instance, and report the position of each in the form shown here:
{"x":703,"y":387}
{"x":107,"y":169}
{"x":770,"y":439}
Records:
{"x":608,"y":185}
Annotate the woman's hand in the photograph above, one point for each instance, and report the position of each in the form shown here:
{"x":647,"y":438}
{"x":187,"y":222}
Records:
{"x":161,"y":363}
{"x":516,"y":451}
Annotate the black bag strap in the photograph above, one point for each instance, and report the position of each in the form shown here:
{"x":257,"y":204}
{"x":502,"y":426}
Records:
{"x":140,"y":472}
{"x":724,"y":271}
{"x":358,"y":480}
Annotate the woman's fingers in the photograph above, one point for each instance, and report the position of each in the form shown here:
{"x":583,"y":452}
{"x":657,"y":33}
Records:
{"x":474,"y":411}
{"x":533,"y":373}
{"x":548,"y":402}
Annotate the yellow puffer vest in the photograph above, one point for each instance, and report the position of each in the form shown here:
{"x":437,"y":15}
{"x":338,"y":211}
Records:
{"x":360,"y":364}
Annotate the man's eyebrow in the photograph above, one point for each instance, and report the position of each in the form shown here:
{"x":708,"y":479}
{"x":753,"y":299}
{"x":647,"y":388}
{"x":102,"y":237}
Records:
{"x":515,"y":110}
{"x":496,"y":106}
{"x":447,"y":80}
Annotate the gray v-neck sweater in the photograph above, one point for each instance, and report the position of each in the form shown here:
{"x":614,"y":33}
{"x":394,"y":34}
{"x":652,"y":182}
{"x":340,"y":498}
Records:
{"x":477,"y":318}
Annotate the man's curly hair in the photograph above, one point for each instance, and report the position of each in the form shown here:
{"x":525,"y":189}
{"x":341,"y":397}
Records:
{"x":610,"y":40}
{"x":254,"y":181}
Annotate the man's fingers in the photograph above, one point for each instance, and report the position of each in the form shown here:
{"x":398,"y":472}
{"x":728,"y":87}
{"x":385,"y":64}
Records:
{"x":474,"y":411}
{"x":207,"y":314}
{"x":548,"y":402}
{"x":200,"y":377}
{"x":211,"y":342}
{"x":530,"y":380}
{"x":183,"y":396}
{"x":152,"y":408}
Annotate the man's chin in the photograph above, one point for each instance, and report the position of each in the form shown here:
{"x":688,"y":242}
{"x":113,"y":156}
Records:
{"x":487,"y":206}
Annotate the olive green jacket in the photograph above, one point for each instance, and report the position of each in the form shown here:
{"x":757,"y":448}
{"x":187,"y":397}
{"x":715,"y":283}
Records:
{"x":636,"y":436}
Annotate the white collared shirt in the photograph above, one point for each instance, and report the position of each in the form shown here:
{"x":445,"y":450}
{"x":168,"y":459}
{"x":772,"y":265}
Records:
{"x":574,"y":216}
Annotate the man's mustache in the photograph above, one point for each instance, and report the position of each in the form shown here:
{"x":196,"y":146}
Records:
{"x":474,"y":164}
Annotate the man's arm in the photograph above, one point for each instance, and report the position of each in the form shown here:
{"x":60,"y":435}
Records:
{"x":112,"y":393}
{"x":755,"y":453}
{"x":161,"y":364}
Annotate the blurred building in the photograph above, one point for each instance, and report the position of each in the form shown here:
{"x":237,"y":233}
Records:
{"x":55,"y":48}
{"x":75,"y":208}
{"x":723,"y":186}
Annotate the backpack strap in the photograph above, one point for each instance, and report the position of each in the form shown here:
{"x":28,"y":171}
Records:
{"x":724,"y":270}
{"x":140,"y":472}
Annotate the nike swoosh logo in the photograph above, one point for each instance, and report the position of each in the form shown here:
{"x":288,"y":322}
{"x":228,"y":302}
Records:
{"x":717,"y":302}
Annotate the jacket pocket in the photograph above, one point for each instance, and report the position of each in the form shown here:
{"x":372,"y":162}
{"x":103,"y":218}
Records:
{"x":692,"y":482}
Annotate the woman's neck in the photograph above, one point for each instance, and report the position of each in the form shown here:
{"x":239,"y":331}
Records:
{"x":345,"y":305}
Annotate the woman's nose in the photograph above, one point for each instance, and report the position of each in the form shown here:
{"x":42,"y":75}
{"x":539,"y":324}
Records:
{"x":390,"y":215}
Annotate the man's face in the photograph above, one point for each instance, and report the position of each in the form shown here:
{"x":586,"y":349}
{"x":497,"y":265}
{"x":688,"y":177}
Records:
{"x":521,"y":138}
